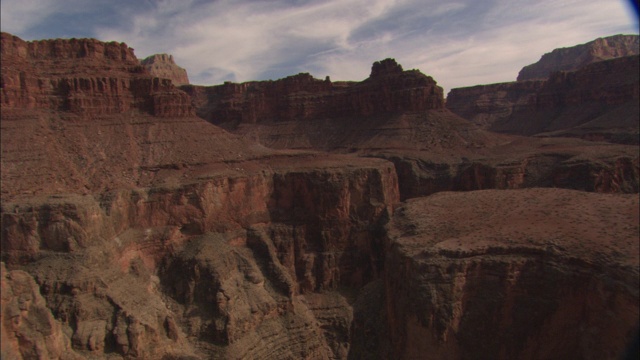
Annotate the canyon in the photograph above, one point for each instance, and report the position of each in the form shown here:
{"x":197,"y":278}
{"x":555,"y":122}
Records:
{"x":143,"y":217}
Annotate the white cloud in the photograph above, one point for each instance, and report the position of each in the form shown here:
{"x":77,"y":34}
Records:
{"x":459,"y":43}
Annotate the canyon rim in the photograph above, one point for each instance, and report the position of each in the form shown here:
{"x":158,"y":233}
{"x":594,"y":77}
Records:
{"x":147,"y":218}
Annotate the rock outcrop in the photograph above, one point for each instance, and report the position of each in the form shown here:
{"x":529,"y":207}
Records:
{"x":224,"y":264}
{"x":27,"y":328}
{"x":303,"y":98}
{"x":460,"y":285}
{"x":85,"y":77}
{"x":156,"y":235}
{"x":597,"y":102}
{"x":163,"y":66}
{"x":576,"y":57}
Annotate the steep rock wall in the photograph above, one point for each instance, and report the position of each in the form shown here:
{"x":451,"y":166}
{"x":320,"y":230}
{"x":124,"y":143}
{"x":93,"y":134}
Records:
{"x":83,"y":76}
{"x":494,"y":286}
{"x":423,"y":175}
{"x":301,"y":97}
{"x":237,"y":291}
{"x":598,"y":101}
{"x":575,"y":57}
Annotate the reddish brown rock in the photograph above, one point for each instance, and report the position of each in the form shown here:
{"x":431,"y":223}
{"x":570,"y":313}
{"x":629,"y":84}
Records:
{"x":302,"y":98}
{"x":151,"y":233}
{"x":85,"y":77}
{"x":28,"y":330}
{"x":596,"y":102}
{"x":163,"y":66}
{"x":517,"y":164}
{"x":576,"y":57}
{"x":497,"y":285}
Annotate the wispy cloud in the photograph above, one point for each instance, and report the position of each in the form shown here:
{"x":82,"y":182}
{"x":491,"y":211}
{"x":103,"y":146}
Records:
{"x":459,"y":43}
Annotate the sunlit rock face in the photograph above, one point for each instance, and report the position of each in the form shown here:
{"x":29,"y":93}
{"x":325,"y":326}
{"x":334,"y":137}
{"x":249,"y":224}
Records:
{"x":132,"y":228}
{"x":575,"y":57}
{"x":163,"y":66}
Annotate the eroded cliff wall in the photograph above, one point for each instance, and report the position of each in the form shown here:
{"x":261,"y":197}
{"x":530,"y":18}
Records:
{"x":497,"y":285}
{"x":84,"y":76}
{"x":596,"y":102}
{"x":575,"y":57}
{"x":131,"y":230}
{"x":301,"y":97}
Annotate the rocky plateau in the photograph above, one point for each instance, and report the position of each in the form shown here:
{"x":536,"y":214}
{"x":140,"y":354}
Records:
{"x":146,"y":218}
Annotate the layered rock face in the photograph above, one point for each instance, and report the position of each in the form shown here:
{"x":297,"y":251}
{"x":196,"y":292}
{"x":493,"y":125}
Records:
{"x":300,"y":112}
{"x":576,"y":57}
{"x":165,"y":236}
{"x":596,"y":102}
{"x":557,"y":163}
{"x":463,"y":285}
{"x":224,"y":265}
{"x":301,"y":98}
{"x":163,"y":66}
{"x":83,"y":76}
{"x":131,"y":228}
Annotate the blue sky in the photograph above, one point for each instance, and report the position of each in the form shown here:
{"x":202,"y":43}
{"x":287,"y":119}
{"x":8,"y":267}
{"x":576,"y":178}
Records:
{"x":459,"y":43}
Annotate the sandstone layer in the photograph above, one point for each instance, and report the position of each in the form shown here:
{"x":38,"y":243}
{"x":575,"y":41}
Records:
{"x":131,"y":228}
{"x":596,"y":102}
{"x":432,"y":148}
{"x":163,"y":66}
{"x":151,"y":233}
{"x":575,"y":57}
{"x":301,"y":97}
{"x":477,"y":275}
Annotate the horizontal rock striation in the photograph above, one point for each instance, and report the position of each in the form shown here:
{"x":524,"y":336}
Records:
{"x":83,"y":76}
{"x":596,"y":102}
{"x":576,"y":57}
{"x":556,"y":164}
{"x":235,"y":256}
{"x":131,"y":228}
{"x":302,"y":98}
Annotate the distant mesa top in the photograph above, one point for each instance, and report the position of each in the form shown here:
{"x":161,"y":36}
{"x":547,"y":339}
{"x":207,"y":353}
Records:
{"x":575,"y":57}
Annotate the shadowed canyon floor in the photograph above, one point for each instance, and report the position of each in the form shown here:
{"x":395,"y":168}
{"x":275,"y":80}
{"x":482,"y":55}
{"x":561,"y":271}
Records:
{"x":312,"y":220}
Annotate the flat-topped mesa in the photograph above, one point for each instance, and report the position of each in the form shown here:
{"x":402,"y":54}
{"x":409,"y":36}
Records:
{"x":575,"y":57}
{"x":302,"y":97}
{"x":163,"y":66}
{"x":58,"y":49}
{"x":83,"y":76}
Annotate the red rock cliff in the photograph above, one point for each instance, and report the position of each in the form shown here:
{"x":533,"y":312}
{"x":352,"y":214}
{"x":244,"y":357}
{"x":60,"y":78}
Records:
{"x":495,"y":286}
{"x":599,"y":101}
{"x":575,"y":57}
{"x":83,"y":76}
{"x":302,"y":98}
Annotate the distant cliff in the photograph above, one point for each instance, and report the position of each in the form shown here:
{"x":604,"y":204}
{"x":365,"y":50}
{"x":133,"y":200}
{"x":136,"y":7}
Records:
{"x":163,"y":66}
{"x":301,"y":97}
{"x":83,"y":76}
{"x":575,"y":57}
{"x":597,"y":102}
